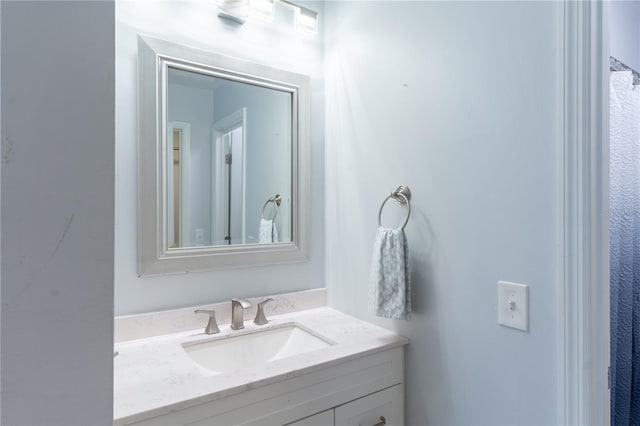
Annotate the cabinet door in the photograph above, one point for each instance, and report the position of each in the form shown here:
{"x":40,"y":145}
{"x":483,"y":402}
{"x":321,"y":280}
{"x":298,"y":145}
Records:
{"x":381,"y":408}
{"x":321,"y":419}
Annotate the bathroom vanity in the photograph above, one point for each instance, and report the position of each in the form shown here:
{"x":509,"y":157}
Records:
{"x":313,"y":367}
{"x":310,"y":365}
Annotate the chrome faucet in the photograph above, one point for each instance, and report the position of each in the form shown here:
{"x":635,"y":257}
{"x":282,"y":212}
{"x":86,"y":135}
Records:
{"x":237,"y":312}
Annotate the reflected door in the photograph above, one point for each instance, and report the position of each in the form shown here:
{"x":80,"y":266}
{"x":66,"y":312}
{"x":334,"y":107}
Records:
{"x":228,"y":198}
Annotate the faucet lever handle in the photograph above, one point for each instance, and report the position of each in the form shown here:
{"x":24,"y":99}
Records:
{"x":260,"y":317}
{"x":212,"y":325}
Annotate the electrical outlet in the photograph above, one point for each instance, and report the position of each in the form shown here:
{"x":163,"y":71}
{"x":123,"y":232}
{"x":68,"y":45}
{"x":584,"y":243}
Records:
{"x":513,"y":305}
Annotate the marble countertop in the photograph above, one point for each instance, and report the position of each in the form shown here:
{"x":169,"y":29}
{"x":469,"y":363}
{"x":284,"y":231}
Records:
{"x":154,"y":376}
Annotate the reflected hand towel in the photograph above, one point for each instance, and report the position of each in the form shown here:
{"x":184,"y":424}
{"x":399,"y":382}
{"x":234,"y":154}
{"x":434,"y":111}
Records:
{"x":268,"y":233}
{"x":390,"y":281}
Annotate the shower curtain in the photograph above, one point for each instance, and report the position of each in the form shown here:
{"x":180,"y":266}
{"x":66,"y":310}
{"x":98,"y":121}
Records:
{"x":625,"y":248}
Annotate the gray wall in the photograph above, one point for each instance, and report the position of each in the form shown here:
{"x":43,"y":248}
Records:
{"x":461,"y":102}
{"x":275,"y":44}
{"x":624,"y":24}
{"x":57,"y":212}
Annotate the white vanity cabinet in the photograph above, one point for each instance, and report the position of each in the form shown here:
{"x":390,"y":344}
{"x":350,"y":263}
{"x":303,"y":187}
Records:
{"x":378,"y":409}
{"x":357,"y":391}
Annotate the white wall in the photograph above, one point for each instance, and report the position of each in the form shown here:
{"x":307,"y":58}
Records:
{"x":57,"y":212}
{"x":624,"y":24}
{"x":459,"y":101}
{"x":276,"y":44}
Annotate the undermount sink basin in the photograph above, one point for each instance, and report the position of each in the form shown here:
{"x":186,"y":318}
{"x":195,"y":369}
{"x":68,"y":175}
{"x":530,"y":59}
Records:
{"x":233,"y":353}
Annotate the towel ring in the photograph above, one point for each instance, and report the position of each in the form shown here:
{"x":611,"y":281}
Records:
{"x":402,"y":195}
{"x":276,"y":200}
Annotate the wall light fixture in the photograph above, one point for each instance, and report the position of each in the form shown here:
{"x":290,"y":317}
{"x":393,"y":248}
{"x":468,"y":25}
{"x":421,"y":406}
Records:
{"x":306,"y":20}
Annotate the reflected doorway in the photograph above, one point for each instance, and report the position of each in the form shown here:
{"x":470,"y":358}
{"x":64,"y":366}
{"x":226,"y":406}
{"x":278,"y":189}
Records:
{"x":178,"y":182}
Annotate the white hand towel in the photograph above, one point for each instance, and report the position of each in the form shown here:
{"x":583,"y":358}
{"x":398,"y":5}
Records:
{"x":268,"y":232}
{"x":390,"y":281}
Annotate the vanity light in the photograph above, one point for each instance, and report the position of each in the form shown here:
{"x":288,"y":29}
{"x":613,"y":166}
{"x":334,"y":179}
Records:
{"x":263,"y":9}
{"x":306,"y":20}
{"x":236,"y":10}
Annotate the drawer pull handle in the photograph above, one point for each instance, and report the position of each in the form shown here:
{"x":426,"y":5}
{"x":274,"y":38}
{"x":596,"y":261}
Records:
{"x":382,"y":421}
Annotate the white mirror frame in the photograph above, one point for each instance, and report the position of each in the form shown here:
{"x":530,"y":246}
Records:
{"x":154,"y":257}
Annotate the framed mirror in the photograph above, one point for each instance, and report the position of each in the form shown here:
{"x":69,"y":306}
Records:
{"x":223,"y":155}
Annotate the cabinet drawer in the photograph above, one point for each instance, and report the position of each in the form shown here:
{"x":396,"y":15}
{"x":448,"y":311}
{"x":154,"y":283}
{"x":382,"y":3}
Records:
{"x":321,"y":419}
{"x":385,"y":407}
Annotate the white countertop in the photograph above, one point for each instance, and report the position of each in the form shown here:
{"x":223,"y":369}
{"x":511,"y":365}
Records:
{"x":154,"y":376}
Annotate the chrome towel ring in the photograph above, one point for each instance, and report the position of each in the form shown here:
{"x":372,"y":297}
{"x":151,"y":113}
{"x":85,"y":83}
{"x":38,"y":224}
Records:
{"x":402,"y":195}
{"x":276,"y":200}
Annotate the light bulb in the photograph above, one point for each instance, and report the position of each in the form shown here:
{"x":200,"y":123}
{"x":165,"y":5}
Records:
{"x":262,"y":9}
{"x":307,"y":20}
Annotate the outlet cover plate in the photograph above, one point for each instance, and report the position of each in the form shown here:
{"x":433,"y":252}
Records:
{"x":513,"y":305}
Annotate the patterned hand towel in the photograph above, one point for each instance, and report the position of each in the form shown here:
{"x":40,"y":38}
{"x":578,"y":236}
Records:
{"x":390,"y":283}
{"x":268,"y":232}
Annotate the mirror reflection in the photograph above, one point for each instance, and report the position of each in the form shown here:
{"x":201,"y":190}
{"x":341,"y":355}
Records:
{"x":228,"y":161}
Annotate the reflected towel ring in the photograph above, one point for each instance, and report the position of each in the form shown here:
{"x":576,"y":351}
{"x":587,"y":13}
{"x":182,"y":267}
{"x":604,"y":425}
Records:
{"x":402,"y":195}
{"x":276,"y":200}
